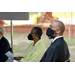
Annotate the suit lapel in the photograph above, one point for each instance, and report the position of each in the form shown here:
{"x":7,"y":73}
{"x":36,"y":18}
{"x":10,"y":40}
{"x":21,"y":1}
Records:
{"x":61,"y":38}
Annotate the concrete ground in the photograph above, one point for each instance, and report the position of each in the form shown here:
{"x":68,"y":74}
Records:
{"x":72,"y":53}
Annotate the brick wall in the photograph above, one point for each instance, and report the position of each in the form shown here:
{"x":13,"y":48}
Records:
{"x":71,"y":29}
{"x":27,"y":29}
{"x":2,"y":23}
{"x":24,"y":28}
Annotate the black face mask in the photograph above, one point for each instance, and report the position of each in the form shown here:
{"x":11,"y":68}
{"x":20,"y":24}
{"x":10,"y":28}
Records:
{"x":50,"y":33}
{"x":30,"y":37}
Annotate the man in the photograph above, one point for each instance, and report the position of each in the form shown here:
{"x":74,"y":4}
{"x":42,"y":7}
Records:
{"x":4,"y":46}
{"x":58,"y":50}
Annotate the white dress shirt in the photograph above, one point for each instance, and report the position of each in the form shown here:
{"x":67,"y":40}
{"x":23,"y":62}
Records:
{"x":56,"y":38}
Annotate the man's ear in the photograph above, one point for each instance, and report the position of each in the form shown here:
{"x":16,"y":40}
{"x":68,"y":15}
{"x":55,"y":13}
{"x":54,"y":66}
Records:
{"x":58,"y":32}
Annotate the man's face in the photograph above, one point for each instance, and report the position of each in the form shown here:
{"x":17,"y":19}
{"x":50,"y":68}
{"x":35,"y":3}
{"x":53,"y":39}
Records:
{"x":55,"y":27}
{"x":1,"y":34}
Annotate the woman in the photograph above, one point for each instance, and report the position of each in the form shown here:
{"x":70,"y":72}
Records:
{"x":36,"y":49}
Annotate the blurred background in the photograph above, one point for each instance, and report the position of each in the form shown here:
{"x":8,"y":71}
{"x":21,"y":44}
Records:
{"x":21,"y":29}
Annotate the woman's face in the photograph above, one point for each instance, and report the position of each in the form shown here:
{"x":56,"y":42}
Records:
{"x":34,"y":35}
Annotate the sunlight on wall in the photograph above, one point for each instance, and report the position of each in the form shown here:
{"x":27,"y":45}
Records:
{"x":66,"y":17}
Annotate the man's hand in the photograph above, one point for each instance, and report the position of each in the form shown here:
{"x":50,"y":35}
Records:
{"x":18,"y":58}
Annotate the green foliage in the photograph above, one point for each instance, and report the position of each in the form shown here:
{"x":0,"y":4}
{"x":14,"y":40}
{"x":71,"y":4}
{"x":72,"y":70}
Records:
{"x":71,"y":41}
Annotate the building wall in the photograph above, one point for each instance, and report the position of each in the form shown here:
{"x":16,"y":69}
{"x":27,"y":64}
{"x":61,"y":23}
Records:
{"x":28,"y":28}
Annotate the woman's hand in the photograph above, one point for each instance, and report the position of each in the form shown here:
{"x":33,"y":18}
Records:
{"x":18,"y":58}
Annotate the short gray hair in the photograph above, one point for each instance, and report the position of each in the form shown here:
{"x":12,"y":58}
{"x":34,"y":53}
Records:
{"x":2,"y":30}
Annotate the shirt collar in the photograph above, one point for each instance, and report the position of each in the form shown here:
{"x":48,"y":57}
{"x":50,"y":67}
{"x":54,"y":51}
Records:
{"x":56,"y":38}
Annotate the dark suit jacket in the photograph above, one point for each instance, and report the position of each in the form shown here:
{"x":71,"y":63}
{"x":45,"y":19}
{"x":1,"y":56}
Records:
{"x":57,"y":52}
{"x":4,"y":47}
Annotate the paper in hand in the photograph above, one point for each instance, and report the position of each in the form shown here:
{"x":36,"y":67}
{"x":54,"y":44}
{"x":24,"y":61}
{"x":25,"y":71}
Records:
{"x":9,"y":54}
{"x":15,"y":61}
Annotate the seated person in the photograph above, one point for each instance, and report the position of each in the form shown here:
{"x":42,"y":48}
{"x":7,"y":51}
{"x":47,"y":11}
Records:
{"x":58,"y":50}
{"x":4,"y":46}
{"x":36,"y":49}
